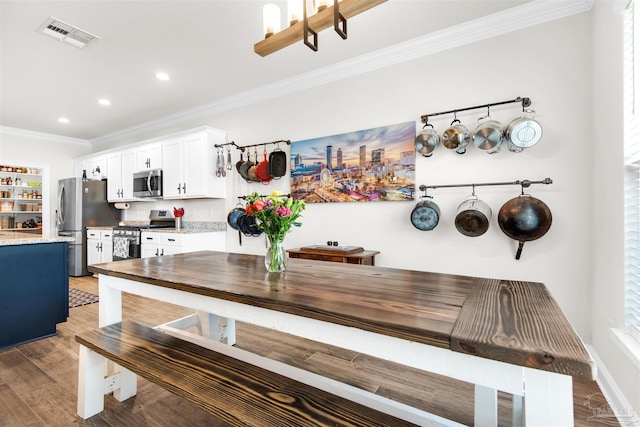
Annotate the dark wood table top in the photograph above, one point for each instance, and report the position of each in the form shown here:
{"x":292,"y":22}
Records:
{"x":414,"y":305}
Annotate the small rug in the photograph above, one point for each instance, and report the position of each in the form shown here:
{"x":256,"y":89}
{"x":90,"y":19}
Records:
{"x":78,"y":298}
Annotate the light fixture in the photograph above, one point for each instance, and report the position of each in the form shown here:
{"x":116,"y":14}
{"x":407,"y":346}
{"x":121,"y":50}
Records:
{"x":294,"y":11}
{"x":104,"y":101}
{"x":63,"y":120}
{"x":162,"y":76}
{"x":271,"y":19}
{"x":328,"y":15}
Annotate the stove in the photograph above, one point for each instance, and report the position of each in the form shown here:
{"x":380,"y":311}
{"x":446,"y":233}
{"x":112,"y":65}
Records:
{"x":126,"y":238}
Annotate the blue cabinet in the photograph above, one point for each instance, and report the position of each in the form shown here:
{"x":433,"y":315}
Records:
{"x":34,"y":291}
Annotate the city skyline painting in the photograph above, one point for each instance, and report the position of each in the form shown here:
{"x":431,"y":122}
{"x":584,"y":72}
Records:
{"x":368,"y":165}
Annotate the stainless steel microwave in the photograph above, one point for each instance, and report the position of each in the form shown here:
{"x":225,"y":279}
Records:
{"x":147,"y":183}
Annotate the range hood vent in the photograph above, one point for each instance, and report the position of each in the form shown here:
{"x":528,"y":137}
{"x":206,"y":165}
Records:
{"x":66,"y":33}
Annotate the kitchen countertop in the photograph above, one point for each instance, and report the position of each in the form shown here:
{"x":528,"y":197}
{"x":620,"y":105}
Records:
{"x":187,"y":227}
{"x":510,"y":321}
{"x":8,"y":238}
{"x":105,"y":227}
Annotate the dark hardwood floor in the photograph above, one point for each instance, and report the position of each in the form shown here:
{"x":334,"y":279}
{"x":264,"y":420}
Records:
{"x":38,"y":381}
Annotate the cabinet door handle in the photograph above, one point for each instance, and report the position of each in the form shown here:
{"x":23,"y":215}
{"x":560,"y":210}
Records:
{"x":157,"y":254}
{"x":149,"y":238}
{"x":171,"y":240}
{"x":178,"y":188}
{"x":162,"y":254}
{"x":100,"y":247}
{"x":184,"y":188}
{"x":97,"y":246}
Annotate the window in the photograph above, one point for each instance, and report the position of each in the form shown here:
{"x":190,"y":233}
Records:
{"x":632,"y":172}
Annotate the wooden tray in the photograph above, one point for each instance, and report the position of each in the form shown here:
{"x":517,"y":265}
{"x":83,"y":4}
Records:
{"x":343,"y":250}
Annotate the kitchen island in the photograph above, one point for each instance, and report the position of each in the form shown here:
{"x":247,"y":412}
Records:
{"x":34,"y":289}
{"x":500,"y":335}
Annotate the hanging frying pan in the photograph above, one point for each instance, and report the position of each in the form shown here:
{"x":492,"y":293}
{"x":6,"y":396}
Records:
{"x":524,"y":218}
{"x":262,"y":170}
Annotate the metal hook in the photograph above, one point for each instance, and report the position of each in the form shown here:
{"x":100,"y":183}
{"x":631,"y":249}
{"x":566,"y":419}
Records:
{"x":473,"y":190}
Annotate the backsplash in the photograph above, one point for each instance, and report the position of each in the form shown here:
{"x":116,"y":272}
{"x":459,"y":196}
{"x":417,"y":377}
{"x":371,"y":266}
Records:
{"x":194,"y":210}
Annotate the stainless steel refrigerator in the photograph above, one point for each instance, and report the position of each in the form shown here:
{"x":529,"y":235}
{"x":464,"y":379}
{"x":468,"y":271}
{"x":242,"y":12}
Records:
{"x":82,"y":203}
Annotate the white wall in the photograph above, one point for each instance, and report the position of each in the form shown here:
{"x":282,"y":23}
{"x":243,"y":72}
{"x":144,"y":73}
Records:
{"x":54,"y":154}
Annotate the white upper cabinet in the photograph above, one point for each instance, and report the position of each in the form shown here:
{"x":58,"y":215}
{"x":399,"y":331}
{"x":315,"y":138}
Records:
{"x":189,"y":165}
{"x":122,"y":165}
{"x":149,"y":157}
{"x":94,"y":167}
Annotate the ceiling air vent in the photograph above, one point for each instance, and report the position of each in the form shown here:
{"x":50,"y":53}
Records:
{"x":66,"y":33}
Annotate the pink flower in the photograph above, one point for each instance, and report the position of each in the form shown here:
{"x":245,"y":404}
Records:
{"x":283,"y":212}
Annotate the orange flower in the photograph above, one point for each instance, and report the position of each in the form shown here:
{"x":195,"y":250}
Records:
{"x":259,"y":205}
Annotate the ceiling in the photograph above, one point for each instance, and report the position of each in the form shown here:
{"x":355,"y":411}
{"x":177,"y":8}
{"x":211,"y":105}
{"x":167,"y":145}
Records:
{"x":205,"y":46}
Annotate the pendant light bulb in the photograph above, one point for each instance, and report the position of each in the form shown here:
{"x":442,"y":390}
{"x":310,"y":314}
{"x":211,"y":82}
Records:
{"x":294,"y":11}
{"x":271,"y":19}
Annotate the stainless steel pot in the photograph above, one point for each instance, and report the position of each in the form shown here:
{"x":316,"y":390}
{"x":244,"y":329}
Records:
{"x":523,"y":132}
{"x":456,"y":137}
{"x":473,"y":217}
{"x":425,"y":215}
{"x":427,"y":141}
{"x":488,"y":135}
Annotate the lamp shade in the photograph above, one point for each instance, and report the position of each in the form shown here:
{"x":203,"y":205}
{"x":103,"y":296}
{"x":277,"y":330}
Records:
{"x":294,"y":11}
{"x":271,"y":19}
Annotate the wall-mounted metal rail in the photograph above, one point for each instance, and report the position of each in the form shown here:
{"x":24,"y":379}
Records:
{"x":242,"y":148}
{"x":265,"y":195}
{"x":526,"y":102}
{"x":525,"y":183}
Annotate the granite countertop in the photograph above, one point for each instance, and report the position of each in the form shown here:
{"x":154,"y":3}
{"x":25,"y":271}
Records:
{"x":8,"y":238}
{"x":187,"y":227}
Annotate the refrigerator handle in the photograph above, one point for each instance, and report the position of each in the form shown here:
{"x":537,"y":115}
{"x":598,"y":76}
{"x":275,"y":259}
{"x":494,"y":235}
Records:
{"x":60,"y":212}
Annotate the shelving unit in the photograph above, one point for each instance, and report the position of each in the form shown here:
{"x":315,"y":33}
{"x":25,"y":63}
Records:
{"x":20,"y":198}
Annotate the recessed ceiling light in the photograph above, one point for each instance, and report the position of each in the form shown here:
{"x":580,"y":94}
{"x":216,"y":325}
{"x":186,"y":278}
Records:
{"x":104,"y":101}
{"x":162,"y":76}
{"x":63,"y":120}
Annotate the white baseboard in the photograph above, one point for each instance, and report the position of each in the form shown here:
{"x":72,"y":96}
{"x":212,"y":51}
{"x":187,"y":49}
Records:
{"x":616,"y":401}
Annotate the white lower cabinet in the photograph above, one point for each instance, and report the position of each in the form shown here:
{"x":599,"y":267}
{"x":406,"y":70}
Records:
{"x":99,"y":246}
{"x":162,"y":243}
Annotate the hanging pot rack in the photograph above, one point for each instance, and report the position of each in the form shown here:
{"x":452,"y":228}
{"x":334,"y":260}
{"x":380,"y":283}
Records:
{"x":242,"y":148}
{"x":265,"y":195}
{"x":526,"y":102}
{"x":525,"y":183}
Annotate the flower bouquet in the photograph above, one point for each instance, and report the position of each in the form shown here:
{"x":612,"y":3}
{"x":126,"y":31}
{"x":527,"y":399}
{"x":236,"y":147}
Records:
{"x":276,"y":215}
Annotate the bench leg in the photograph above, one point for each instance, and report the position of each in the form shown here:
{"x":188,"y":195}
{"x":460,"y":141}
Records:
{"x":517,"y":415}
{"x":128,"y":385}
{"x":221,"y":329}
{"x":90,"y":383}
{"x":486,"y":406}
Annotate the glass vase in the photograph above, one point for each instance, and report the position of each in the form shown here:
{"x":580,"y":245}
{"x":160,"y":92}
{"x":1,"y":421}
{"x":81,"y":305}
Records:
{"x":276,"y":257}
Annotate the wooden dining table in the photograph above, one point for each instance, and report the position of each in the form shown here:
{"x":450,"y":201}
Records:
{"x":501,"y":335}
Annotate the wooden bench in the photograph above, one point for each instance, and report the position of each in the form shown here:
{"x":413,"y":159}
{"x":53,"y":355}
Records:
{"x":235,"y":391}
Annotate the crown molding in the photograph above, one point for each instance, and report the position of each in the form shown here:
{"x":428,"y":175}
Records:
{"x":517,"y":18}
{"x":5,"y":130}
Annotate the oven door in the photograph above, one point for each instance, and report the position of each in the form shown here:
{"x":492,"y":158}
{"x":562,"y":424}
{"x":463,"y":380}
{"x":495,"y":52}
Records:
{"x":148,"y":183}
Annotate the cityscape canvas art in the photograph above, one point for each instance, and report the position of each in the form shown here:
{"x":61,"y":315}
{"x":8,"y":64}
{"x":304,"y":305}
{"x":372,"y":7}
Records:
{"x":369,"y":165}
